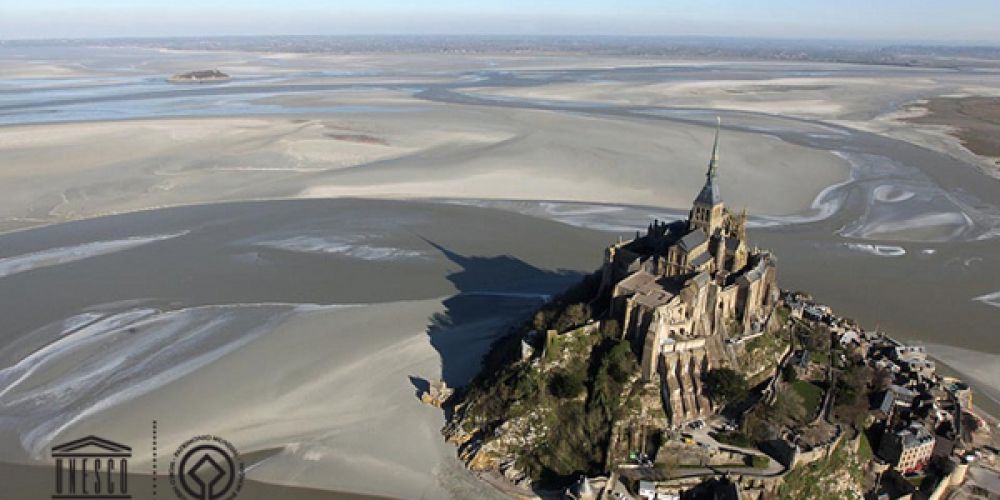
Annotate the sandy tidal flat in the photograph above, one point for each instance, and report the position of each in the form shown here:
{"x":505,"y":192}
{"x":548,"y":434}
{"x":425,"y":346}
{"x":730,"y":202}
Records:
{"x":60,"y":172}
{"x":336,"y":414}
{"x":309,"y":357}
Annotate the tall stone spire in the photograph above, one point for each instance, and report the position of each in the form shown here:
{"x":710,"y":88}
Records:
{"x":713,"y":164}
{"x":709,"y":194}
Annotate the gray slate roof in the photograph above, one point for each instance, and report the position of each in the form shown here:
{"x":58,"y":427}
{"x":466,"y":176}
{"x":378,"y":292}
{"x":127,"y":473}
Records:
{"x":709,"y":194}
{"x":701,"y":259}
{"x":692,"y":240}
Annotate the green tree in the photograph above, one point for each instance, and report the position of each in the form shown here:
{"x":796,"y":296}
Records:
{"x":850,"y":393}
{"x":541,"y":320}
{"x":725,"y":385}
{"x":566,"y":384}
{"x":788,"y":373}
{"x":573,"y":316}
{"x":621,"y":362}
{"x":818,"y":340}
{"x":611,"y":329}
{"x":880,"y":379}
{"x":757,"y":426}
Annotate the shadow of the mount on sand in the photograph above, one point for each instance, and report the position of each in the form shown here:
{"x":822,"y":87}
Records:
{"x":494,"y":295}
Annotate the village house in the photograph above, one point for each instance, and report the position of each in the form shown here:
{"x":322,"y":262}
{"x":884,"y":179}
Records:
{"x":907,"y":449}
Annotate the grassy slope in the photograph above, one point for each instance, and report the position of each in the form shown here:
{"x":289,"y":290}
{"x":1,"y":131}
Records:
{"x":822,"y":479}
{"x":812,"y":396}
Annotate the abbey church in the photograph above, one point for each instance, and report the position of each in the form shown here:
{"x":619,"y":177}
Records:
{"x":685,"y":291}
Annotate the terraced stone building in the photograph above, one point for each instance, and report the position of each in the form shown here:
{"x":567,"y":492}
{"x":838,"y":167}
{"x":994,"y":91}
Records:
{"x":683,"y":290}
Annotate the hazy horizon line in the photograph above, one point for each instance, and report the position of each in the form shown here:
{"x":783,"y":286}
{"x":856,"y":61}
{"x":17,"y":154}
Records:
{"x":941,"y":42}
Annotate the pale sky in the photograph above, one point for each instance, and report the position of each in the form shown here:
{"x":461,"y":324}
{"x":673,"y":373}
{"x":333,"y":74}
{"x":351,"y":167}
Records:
{"x":921,"y":20}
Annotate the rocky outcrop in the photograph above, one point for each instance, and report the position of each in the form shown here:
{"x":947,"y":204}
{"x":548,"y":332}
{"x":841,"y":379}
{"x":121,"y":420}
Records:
{"x":498,"y":451}
{"x":208,"y":75}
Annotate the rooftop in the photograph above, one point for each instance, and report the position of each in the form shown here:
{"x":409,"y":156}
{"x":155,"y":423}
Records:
{"x":915,"y":435}
{"x":692,"y":240}
{"x":648,"y":290}
{"x":709,"y":194}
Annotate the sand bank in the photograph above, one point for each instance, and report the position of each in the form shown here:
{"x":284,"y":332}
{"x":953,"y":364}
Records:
{"x":827,"y":97}
{"x":975,"y":121}
{"x":61,"y":172}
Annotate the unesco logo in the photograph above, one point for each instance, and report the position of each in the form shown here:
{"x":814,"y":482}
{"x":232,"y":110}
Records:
{"x":91,"y":467}
{"x":206,"y":468}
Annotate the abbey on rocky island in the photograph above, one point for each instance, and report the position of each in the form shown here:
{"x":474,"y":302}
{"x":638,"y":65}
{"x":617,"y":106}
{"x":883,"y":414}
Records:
{"x":686,"y":291}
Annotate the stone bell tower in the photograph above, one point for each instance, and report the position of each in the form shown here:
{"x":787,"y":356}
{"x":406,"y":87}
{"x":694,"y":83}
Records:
{"x":707,"y":213}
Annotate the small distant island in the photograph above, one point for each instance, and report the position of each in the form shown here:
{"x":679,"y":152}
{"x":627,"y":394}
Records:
{"x":681,"y":370}
{"x":205,"y":75}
